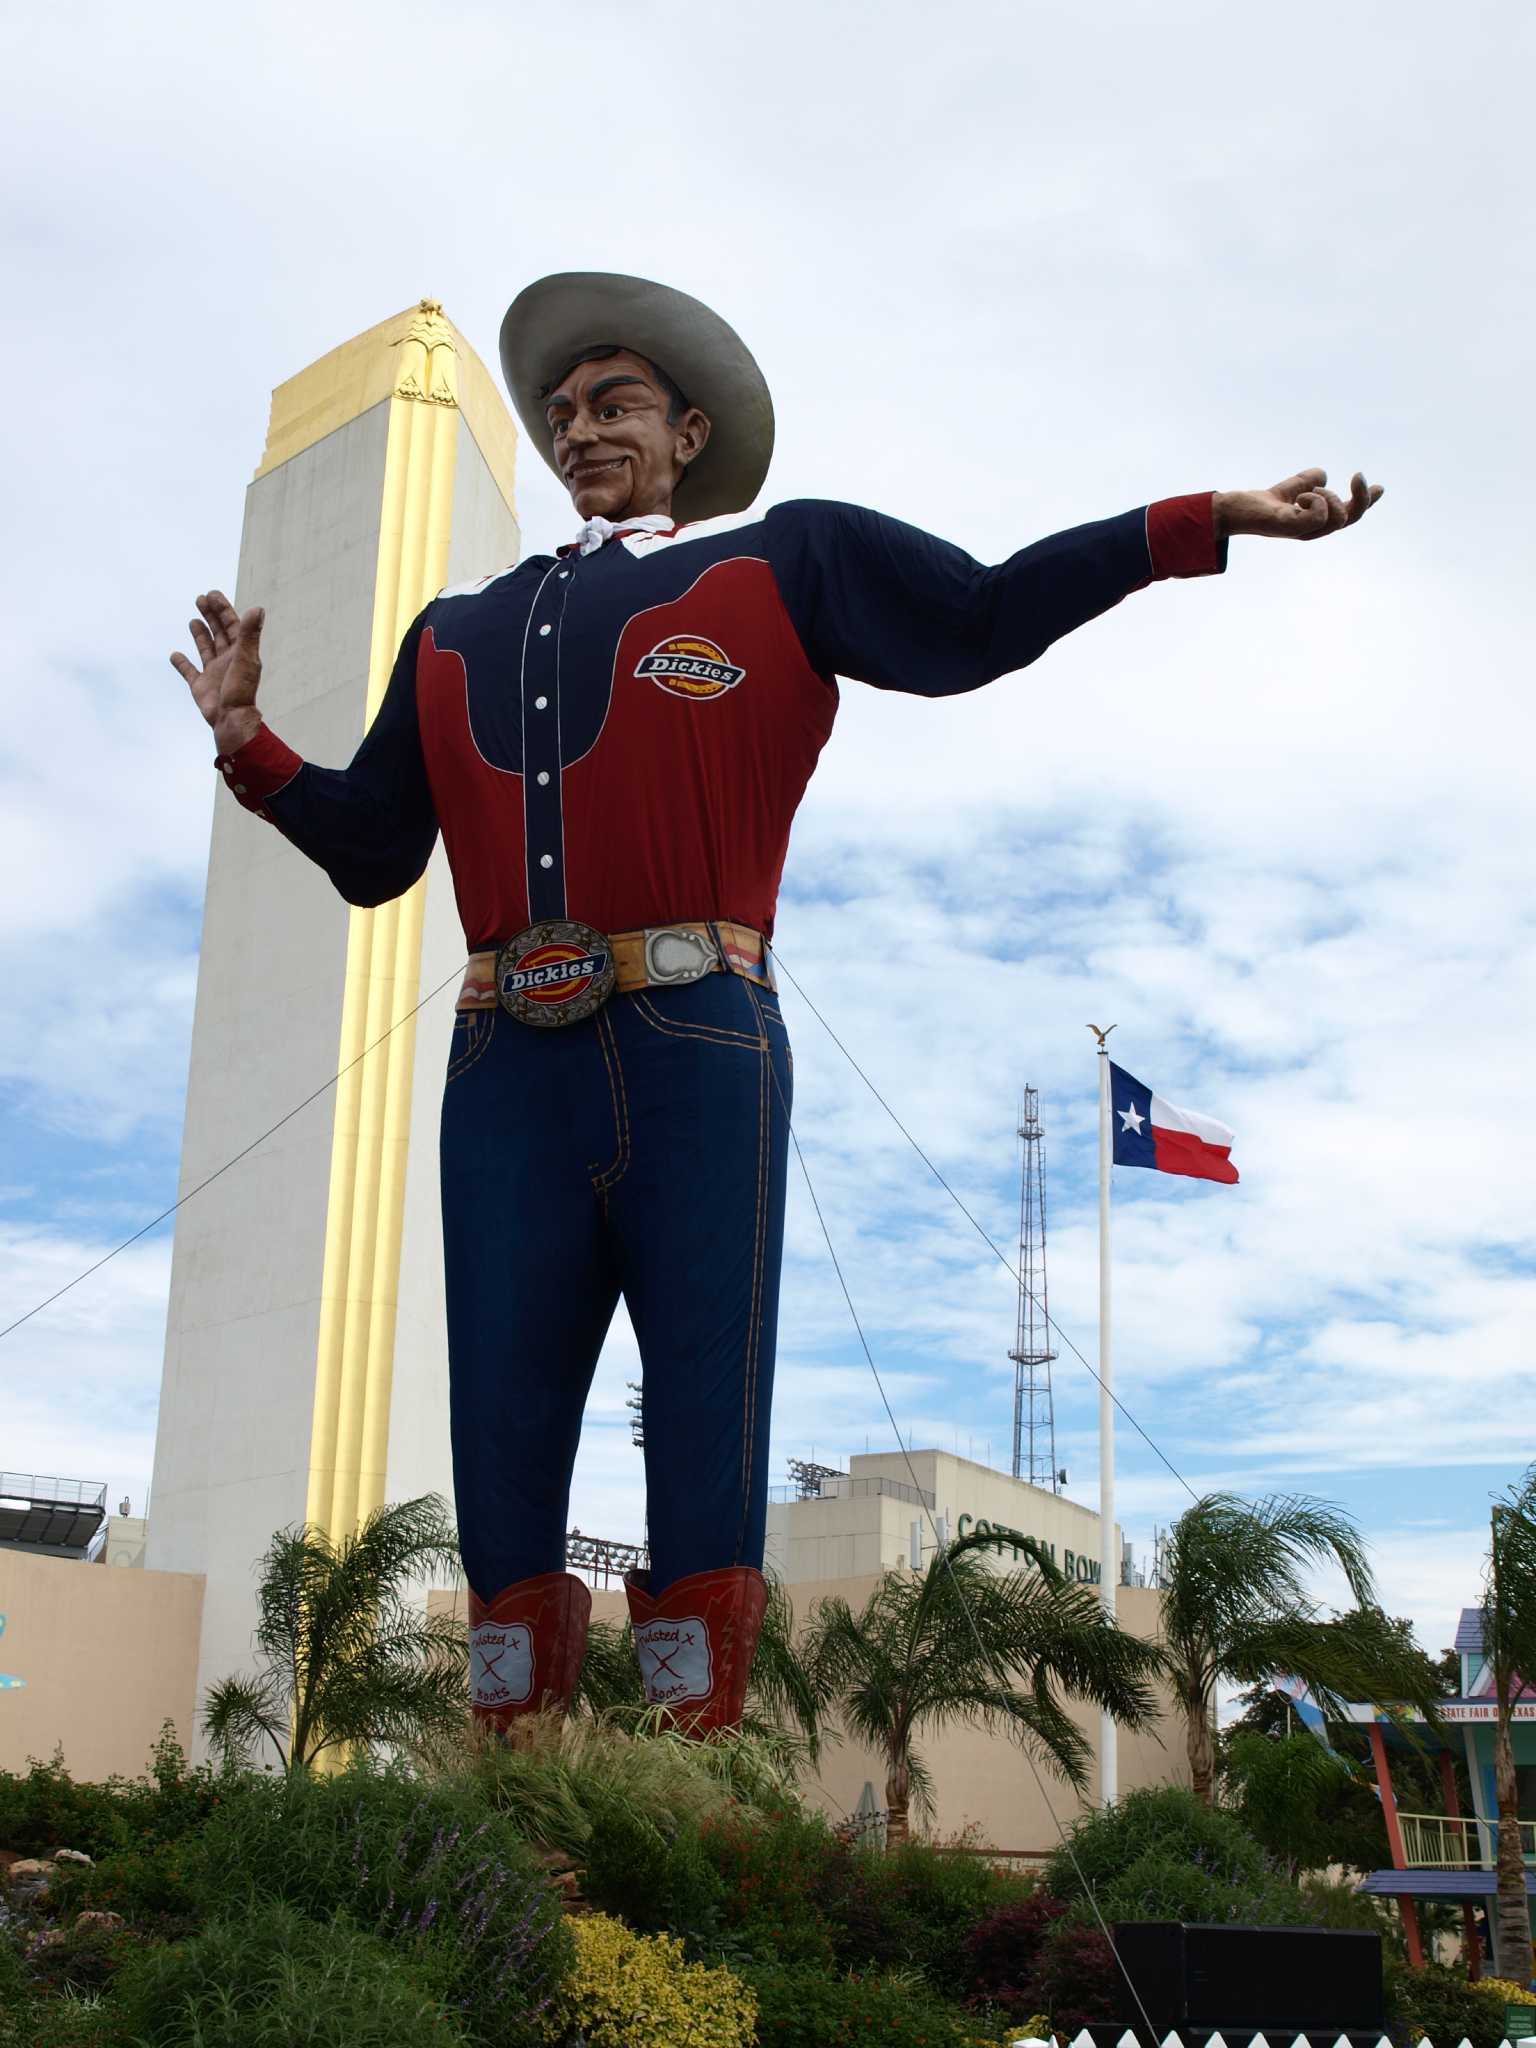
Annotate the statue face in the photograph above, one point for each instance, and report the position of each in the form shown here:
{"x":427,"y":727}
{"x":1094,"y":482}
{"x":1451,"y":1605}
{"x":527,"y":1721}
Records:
{"x":618,"y":453}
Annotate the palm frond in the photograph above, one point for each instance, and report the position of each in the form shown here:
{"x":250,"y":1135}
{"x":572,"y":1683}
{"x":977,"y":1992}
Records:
{"x":1509,"y":1596}
{"x":239,"y":1714}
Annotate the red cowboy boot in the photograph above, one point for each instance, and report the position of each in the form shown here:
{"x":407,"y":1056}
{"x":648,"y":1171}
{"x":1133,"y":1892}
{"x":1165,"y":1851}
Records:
{"x":526,"y":1647}
{"x":695,"y":1642}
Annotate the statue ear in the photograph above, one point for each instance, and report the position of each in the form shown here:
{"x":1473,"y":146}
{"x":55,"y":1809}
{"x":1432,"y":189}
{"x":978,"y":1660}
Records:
{"x":692,"y":433}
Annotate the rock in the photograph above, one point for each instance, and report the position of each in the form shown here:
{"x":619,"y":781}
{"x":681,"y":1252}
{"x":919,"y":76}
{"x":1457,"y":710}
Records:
{"x":28,"y":1878}
{"x":8,"y":1857}
{"x":70,"y":1856}
{"x":104,"y":1922}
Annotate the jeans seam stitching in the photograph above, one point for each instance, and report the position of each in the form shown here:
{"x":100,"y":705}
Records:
{"x":468,"y":1059}
{"x":613,"y":1174}
{"x":754,"y":1321}
{"x":714,"y":1034}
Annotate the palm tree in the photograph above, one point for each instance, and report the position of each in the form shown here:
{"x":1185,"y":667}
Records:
{"x":1509,"y":1644}
{"x":781,"y":1694}
{"x":961,"y":1642}
{"x":1235,"y":1609}
{"x":347,"y":1655}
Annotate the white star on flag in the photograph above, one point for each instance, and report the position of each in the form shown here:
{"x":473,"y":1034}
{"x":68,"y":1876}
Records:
{"x":1131,"y":1119}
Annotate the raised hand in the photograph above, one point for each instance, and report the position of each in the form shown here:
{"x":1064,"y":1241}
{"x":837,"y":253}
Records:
{"x":224,"y":688}
{"x":1298,"y":509}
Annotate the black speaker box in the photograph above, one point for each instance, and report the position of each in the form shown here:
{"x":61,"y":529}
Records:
{"x":1321,"y":1978}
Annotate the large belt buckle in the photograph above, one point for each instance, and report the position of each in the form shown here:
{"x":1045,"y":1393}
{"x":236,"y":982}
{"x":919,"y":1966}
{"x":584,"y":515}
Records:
{"x":674,"y":956}
{"x":554,"y":973}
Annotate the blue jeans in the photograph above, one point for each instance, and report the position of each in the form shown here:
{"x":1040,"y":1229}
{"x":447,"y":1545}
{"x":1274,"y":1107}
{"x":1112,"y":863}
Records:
{"x":643,"y":1153}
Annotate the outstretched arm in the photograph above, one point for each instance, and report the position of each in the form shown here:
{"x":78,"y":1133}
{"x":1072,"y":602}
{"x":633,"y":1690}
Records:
{"x":372,"y":825}
{"x":872,"y":598}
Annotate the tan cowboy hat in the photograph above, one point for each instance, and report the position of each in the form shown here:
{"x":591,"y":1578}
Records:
{"x":551,"y":323}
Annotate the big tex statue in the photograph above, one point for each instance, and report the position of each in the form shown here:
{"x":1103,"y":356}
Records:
{"x":613,"y":740}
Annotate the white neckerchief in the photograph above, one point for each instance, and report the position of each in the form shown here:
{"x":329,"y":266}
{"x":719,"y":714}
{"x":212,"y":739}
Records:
{"x":597,"y":529}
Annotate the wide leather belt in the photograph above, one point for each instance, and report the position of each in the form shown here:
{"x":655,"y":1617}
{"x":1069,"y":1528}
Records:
{"x":559,"y":971}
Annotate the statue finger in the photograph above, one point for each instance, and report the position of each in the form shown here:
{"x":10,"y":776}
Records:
{"x":202,"y":640}
{"x":209,"y":606}
{"x":1295,"y":487}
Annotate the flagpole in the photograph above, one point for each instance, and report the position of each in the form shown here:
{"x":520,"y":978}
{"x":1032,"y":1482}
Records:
{"x":1109,"y":1561}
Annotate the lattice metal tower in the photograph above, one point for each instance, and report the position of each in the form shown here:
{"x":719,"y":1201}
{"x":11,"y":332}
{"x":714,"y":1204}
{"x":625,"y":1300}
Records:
{"x":1034,"y":1416}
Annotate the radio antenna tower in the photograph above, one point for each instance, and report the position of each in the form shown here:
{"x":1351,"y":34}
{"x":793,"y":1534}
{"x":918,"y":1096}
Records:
{"x":1034,"y":1416}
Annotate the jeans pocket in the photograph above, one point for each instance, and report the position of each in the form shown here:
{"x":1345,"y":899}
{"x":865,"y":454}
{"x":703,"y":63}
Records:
{"x":472,"y":1031}
{"x":717,"y":1010}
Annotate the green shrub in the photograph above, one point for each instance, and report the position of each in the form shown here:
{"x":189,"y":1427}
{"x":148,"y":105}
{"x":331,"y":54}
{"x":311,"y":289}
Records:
{"x":272,"y":1979}
{"x":1441,"y":2004}
{"x":658,"y":1884}
{"x":808,"y":2008}
{"x":939,"y":1896}
{"x":628,"y":1988}
{"x":82,"y":1960}
{"x":70,"y":2021}
{"x":424,"y":1866}
{"x":44,"y":1809}
{"x":781,"y":1875}
{"x":149,"y":1883}
{"x":1158,"y":1854}
{"x":563,"y":1773}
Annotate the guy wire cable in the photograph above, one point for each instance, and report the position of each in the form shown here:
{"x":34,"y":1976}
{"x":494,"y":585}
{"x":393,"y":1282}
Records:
{"x":992,"y":1246}
{"x":997,"y":1668}
{"x":154,"y":1221}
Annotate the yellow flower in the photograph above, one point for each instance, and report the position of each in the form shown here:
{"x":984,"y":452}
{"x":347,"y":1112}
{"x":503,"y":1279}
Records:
{"x":627,"y":1987}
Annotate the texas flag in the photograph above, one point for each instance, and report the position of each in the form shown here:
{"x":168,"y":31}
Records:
{"x":1151,"y":1132}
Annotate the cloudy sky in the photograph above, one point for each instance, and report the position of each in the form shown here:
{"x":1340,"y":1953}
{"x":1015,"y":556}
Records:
{"x":1007,"y":267}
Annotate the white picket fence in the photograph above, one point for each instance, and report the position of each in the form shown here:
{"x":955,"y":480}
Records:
{"x":1130,"y":2040}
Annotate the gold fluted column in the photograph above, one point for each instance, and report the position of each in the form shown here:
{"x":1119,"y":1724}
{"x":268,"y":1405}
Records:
{"x":359,"y":1288}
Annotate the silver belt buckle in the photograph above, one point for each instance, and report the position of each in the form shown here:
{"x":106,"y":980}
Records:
{"x":673,"y":957}
{"x":554,"y":973}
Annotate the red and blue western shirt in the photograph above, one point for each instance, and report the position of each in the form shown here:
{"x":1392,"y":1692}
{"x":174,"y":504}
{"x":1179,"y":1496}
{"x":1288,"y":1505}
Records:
{"x":623,"y":736}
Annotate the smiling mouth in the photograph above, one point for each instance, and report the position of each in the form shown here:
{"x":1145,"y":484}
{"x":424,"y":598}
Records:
{"x":583,"y":472}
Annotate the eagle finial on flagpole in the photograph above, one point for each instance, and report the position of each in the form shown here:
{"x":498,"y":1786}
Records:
{"x":1102,"y":1035}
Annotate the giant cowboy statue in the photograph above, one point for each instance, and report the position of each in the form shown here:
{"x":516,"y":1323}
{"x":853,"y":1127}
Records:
{"x":613,"y":740}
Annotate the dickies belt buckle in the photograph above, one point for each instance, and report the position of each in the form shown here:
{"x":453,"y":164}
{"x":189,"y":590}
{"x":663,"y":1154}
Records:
{"x":555,"y":973}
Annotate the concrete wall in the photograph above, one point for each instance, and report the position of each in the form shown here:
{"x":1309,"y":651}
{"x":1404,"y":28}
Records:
{"x":237,"y":1394}
{"x":105,"y":1657}
{"x":839,"y":1536}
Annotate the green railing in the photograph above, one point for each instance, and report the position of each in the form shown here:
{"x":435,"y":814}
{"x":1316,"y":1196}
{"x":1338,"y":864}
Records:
{"x":1436,"y":1841}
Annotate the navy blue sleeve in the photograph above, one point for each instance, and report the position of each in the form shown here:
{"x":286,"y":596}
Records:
{"x":885,"y":603}
{"x":371,"y":826}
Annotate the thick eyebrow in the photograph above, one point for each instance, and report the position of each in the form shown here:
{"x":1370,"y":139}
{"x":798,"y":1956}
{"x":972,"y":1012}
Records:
{"x":603,"y":384}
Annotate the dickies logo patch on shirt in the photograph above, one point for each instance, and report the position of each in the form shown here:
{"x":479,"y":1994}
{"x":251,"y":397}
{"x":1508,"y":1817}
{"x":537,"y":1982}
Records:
{"x":691,"y":668}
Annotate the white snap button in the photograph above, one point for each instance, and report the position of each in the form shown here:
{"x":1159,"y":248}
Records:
{"x":543,"y":777}
{"x":543,"y":630}
{"x":539,"y":703}
{"x":546,"y":860}
{"x":239,"y":789}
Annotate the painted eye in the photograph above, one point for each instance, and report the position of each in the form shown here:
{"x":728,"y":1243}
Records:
{"x":611,"y":412}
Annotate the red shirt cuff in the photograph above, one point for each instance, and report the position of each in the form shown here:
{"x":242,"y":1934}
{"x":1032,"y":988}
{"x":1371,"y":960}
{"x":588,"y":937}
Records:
{"x":258,"y":770}
{"x":1181,"y":537}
